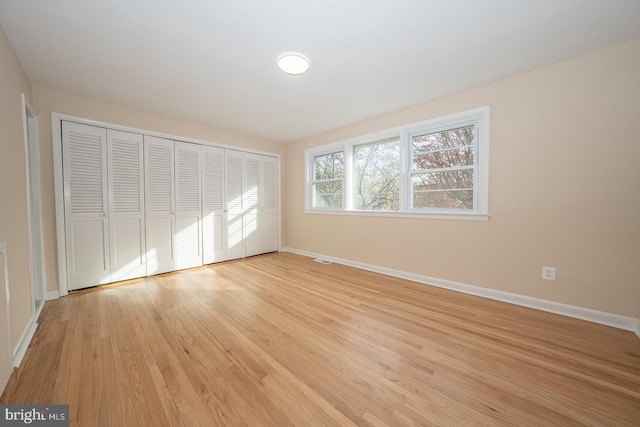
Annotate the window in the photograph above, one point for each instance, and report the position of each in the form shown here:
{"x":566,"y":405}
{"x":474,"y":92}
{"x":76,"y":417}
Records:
{"x":437,"y":168}
{"x":377,"y":175}
{"x":443,"y":169}
{"x":328,"y":175}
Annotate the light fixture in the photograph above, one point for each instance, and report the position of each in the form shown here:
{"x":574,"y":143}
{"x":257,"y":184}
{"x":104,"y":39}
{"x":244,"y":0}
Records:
{"x":293,"y":63}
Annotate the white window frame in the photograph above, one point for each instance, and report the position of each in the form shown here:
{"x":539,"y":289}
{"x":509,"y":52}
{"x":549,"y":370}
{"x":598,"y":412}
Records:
{"x":479,"y":117}
{"x":311,"y":177}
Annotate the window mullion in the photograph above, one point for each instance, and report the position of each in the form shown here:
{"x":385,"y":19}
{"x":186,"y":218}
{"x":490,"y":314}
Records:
{"x":309,"y":187}
{"x":347,"y":185}
{"x":315,"y":181}
{"x":405,"y":176}
{"x":452,"y":168}
{"x":444,"y":150}
{"x":477,"y":171}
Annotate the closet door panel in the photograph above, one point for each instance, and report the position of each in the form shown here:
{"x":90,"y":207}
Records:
{"x":88,"y":250}
{"x":213,"y":236}
{"x":270,"y":235}
{"x":213,"y":232}
{"x":126,"y":207}
{"x":270,"y":228}
{"x":160,"y":253}
{"x":234,"y":205}
{"x":128,"y":257}
{"x":252,"y":221}
{"x":86,"y":205}
{"x":160,"y":205}
{"x":251,"y":228}
{"x":188,"y":248}
{"x":189,"y":205}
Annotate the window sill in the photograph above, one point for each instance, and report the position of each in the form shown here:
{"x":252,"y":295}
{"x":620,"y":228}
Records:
{"x":461,"y":216}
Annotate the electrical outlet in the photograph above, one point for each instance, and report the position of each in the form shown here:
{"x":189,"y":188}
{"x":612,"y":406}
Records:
{"x":549,"y":273}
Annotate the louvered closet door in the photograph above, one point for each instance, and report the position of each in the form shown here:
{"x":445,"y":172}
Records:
{"x":84,"y":156}
{"x":233,"y":171}
{"x":159,"y":204}
{"x":270,"y":230}
{"x":252,"y":226}
{"x":126,"y":213}
{"x":189,"y":207}
{"x":213,"y":205}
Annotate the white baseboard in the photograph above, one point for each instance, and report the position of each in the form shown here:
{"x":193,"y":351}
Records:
{"x":601,"y":317}
{"x":52,"y":295}
{"x":23,"y":343}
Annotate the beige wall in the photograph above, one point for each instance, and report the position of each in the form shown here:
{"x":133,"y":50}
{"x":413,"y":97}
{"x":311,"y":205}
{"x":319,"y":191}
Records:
{"x":13,"y":186}
{"x":564,"y":190}
{"x":47,"y":101}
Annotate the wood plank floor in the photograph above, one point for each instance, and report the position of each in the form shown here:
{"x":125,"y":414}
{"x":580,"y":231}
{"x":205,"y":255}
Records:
{"x":280,"y":340}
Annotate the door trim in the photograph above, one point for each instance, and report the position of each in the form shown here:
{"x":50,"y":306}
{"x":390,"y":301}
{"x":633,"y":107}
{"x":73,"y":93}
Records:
{"x":37,"y":270}
{"x":58,"y":185}
{"x":5,"y":281}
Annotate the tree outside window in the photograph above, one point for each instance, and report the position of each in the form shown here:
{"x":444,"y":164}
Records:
{"x":443,"y":166}
{"x":328,"y":175}
{"x":377,"y":175}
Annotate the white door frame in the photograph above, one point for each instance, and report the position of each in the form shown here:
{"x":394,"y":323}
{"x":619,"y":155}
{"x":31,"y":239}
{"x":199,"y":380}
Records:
{"x":34,"y":212}
{"x":6,"y":370}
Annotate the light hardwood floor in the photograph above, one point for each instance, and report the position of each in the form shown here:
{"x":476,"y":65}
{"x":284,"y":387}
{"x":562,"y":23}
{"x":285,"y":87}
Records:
{"x":280,"y":340}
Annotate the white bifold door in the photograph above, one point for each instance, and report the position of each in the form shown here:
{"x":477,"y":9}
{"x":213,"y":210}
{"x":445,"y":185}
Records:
{"x":84,"y":152}
{"x":126,"y":206}
{"x":188,"y":237}
{"x":251,"y":218}
{"x":269,"y":224}
{"x":234,"y":204}
{"x":104,"y":207}
{"x":251,"y":204}
{"x":213,"y":227}
{"x":260,"y":204}
{"x":174,"y":207}
{"x":159,"y":167}
{"x":249,"y":222}
{"x":137,"y":205}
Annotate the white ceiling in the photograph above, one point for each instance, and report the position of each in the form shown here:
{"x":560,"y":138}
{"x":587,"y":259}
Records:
{"x":214,"y":61}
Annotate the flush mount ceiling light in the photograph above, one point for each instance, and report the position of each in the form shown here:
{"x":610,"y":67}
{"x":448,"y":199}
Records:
{"x":293,"y":63}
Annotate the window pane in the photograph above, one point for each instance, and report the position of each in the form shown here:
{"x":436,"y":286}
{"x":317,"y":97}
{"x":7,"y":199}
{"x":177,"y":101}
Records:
{"x":377,"y":175}
{"x":328,"y":166}
{"x":453,"y":199}
{"x":443,"y":180}
{"x":445,"y":149}
{"x":443,"y":190}
{"x":327,"y":194}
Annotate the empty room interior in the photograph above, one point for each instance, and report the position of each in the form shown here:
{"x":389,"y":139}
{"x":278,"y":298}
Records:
{"x":329,"y":213}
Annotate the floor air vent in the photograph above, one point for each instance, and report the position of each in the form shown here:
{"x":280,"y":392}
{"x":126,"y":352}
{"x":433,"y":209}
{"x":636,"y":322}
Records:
{"x":322,"y":261}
